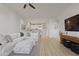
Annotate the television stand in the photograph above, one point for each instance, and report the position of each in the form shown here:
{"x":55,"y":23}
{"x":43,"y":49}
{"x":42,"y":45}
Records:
{"x":69,"y":38}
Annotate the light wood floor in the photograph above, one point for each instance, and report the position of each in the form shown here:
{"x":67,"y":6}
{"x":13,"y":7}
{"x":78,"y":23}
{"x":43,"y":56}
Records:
{"x":49,"y":47}
{"x":52,"y":47}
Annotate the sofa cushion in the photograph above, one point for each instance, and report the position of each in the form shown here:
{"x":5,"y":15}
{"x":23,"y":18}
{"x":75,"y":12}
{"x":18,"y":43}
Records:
{"x":3,"y":40}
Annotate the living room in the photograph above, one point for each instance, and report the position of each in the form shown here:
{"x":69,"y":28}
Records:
{"x":38,"y":19}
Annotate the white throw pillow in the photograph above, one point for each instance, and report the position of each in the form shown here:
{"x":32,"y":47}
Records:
{"x":1,"y":36}
{"x":8,"y":38}
{"x":15,"y":35}
{"x":3,"y":40}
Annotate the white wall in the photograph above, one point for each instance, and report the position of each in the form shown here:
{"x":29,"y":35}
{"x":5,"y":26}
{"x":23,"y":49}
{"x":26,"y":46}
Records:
{"x":70,"y":11}
{"x":9,"y":21}
{"x":53,"y":30}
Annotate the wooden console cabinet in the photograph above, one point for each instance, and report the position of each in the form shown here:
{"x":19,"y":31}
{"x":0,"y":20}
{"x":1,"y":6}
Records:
{"x":70,"y":38}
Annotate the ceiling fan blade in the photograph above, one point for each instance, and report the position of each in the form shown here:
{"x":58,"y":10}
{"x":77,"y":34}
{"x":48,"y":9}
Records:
{"x":24,"y":6}
{"x":32,"y":6}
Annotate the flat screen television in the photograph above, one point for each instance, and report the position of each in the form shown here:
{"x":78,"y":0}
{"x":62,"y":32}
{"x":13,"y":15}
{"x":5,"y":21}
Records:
{"x":72,"y":23}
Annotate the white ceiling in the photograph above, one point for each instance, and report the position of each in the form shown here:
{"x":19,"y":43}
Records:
{"x":43,"y":10}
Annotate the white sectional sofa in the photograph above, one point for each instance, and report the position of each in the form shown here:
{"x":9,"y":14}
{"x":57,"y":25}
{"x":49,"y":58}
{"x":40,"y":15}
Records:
{"x":7,"y":44}
{"x":13,"y":42}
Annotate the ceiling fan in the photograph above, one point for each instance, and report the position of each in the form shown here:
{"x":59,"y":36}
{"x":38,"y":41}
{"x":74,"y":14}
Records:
{"x":32,"y":6}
